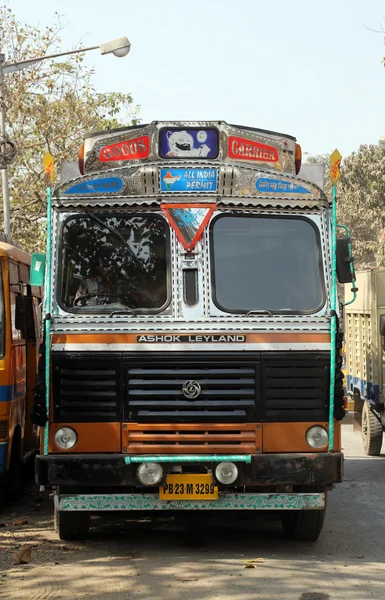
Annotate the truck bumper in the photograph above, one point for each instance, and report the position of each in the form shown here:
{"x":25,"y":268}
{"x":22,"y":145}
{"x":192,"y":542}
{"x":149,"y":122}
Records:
{"x":85,"y":472}
{"x":226,"y":501}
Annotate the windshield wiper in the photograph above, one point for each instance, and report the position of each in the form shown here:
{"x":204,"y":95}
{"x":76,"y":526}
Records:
{"x":259,"y":311}
{"x":123,"y":311}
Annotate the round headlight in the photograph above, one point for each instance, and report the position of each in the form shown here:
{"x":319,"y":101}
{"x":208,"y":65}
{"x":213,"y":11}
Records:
{"x":226,"y":472}
{"x":66,"y":438}
{"x":317,"y":437}
{"x":150,"y":473}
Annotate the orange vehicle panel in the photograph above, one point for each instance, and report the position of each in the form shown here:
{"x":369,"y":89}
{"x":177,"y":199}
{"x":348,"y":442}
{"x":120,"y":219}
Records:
{"x":131,"y":338}
{"x":290,"y":437}
{"x":92,"y":437}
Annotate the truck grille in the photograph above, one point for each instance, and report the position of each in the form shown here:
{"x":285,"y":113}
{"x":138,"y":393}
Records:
{"x":199,"y":438}
{"x":295,"y":386}
{"x":228,"y":388}
{"x":86,"y":389}
{"x":146,"y":387}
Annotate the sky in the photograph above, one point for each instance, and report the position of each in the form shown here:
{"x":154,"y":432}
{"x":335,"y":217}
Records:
{"x":309,"y":69}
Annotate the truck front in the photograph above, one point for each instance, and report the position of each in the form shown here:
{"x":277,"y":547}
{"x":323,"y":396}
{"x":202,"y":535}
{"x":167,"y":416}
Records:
{"x":190,"y":330}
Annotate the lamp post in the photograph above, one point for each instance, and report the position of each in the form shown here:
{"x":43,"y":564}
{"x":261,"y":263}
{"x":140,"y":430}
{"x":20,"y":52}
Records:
{"x":119,"y":47}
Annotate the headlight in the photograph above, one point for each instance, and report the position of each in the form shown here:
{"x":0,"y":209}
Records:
{"x":66,"y":438}
{"x":226,"y":472}
{"x":317,"y":436}
{"x":150,"y":473}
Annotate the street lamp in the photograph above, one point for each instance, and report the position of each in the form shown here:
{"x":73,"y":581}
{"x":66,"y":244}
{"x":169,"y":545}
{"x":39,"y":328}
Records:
{"x":119,"y":47}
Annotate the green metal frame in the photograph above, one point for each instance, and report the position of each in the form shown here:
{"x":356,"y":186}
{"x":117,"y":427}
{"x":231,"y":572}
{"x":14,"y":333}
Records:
{"x":47,"y":314}
{"x":333,"y":321}
{"x":246,"y":458}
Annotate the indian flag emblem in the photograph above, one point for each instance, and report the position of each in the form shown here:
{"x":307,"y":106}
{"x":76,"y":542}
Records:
{"x":169,"y":180}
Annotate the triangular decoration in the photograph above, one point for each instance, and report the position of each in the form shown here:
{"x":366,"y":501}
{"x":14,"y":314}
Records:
{"x":188,"y":221}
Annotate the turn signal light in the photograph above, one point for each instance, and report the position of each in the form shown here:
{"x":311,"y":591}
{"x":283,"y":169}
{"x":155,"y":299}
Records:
{"x":298,"y":158}
{"x":81,"y":159}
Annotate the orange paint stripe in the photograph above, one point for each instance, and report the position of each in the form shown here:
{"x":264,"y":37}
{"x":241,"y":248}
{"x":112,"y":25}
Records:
{"x":131,"y":338}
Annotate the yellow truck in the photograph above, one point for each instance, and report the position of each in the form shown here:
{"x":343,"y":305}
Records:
{"x":364,"y":350}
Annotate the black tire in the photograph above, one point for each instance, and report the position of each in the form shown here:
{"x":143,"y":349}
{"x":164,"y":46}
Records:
{"x":303,"y":525}
{"x":2,"y":494}
{"x":372,"y":431}
{"x":71,"y":525}
{"x":15,"y":479}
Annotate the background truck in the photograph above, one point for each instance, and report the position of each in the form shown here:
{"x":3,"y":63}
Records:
{"x":364,"y":339}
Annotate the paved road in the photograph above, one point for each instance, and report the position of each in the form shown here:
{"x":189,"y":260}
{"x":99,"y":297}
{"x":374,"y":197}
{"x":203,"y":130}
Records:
{"x":174,"y":561}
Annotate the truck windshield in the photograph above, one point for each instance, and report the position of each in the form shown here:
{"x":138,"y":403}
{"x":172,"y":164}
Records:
{"x":114,"y":262}
{"x":266,"y":263}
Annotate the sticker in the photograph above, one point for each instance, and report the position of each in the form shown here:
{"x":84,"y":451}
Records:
{"x":244,"y":149}
{"x":109,"y":185}
{"x":188,"y":180}
{"x":264,"y":184}
{"x":188,"y":143}
{"x":129,"y":150}
{"x":188,"y":221}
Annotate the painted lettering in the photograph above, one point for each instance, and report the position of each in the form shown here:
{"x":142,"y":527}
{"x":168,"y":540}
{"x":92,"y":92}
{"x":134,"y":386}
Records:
{"x":244,"y":149}
{"x":127,"y":150}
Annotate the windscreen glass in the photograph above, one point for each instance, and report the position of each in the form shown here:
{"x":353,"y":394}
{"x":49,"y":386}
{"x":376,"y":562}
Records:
{"x":114,"y":262}
{"x":266,"y":263}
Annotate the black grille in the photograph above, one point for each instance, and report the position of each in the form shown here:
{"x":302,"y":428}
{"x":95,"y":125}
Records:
{"x":147,"y":387}
{"x":228,"y":388}
{"x":295,"y":386}
{"x":87,"y":388}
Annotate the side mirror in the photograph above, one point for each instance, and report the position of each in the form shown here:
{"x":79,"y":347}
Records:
{"x":37,"y":269}
{"x":382,"y":330}
{"x":382,"y":326}
{"x":24,"y":317}
{"x":344,"y":260}
{"x":20,"y":313}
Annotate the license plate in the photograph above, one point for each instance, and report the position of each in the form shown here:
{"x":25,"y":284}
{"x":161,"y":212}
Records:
{"x":188,"y":487}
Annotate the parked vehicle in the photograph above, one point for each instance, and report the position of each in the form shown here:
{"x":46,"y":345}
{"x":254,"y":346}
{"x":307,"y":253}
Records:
{"x":364,"y":335}
{"x":189,"y":331}
{"x":19,"y":317}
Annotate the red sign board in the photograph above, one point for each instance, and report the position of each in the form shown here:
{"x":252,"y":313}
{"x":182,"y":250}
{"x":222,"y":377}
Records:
{"x":244,"y":149}
{"x":129,"y":150}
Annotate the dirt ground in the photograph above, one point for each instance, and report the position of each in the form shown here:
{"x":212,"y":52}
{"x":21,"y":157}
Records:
{"x":204,"y":559}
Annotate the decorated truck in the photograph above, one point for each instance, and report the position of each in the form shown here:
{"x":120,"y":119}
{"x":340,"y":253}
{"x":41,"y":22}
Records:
{"x":192,"y":341}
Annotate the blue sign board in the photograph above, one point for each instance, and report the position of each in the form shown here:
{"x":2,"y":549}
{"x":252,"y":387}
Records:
{"x":280,"y":186}
{"x":188,"y":142}
{"x":108,"y":185}
{"x":188,"y":180}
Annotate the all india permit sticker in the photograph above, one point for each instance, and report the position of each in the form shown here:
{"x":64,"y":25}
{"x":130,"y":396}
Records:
{"x":189,"y":180}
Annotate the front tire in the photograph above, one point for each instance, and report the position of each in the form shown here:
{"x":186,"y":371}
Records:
{"x":71,"y":525}
{"x":372,"y":431}
{"x":303,"y":525}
